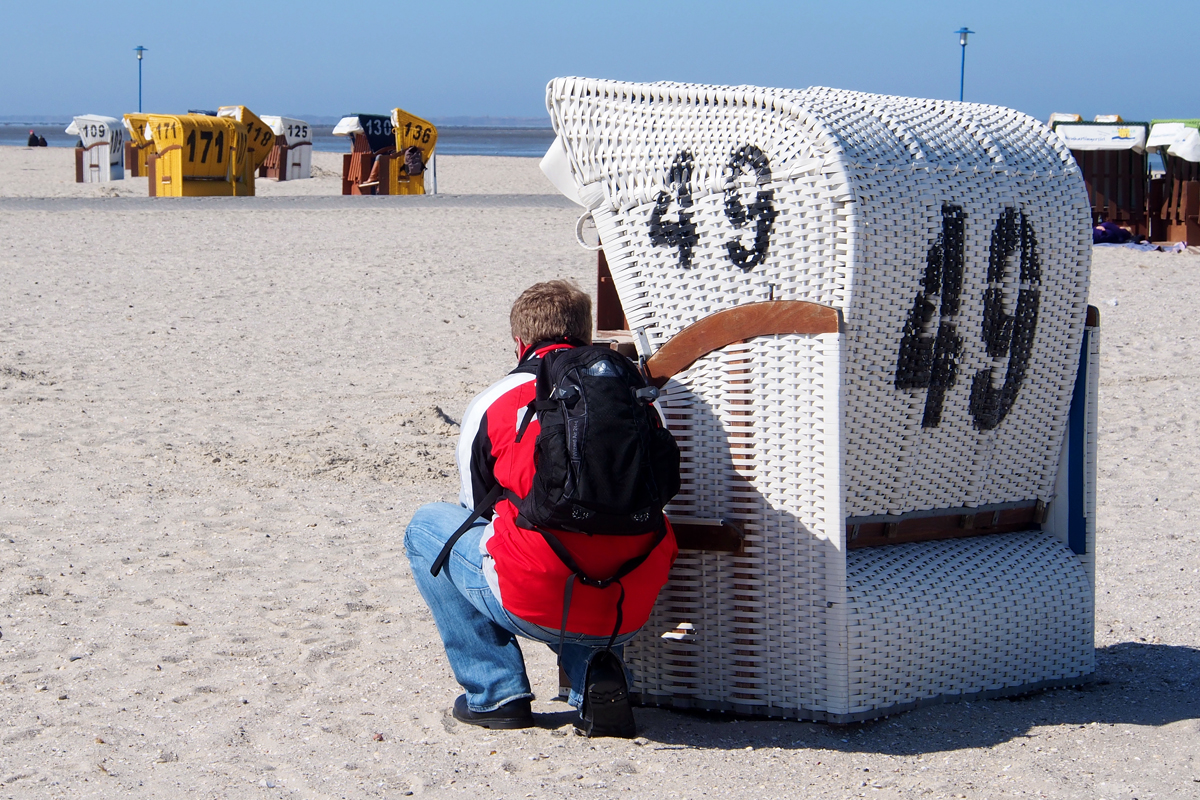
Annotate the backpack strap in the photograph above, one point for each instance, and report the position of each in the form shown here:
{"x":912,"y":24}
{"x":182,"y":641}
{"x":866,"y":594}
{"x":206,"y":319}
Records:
{"x":484,"y":505}
{"x":534,"y":408}
{"x":578,"y":574}
{"x":562,"y":632}
{"x":620,"y":617}
{"x":565,"y":556}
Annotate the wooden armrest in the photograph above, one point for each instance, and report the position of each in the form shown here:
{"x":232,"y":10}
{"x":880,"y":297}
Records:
{"x":717,"y":535}
{"x":736,"y":325}
{"x":945,"y":523}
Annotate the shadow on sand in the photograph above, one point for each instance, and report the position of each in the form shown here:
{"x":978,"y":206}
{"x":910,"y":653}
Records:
{"x":1135,"y":684}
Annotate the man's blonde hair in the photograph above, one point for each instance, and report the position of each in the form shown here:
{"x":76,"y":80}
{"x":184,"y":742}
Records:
{"x":552,"y":310}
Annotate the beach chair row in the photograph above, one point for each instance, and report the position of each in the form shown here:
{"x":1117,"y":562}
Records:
{"x":220,"y":153}
{"x":387,"y":154}
{"x":194,"y":154}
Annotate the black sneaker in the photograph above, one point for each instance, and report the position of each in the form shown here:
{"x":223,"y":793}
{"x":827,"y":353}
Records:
{"x":511,"y":715}
{"x":606,"y":710}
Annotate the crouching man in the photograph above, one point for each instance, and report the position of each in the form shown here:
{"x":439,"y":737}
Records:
{"x":559,"y":536}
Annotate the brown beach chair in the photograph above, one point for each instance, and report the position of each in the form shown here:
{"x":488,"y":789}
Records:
{"x":1174,"y":199}
{"x":364,"y":168}
{"x":1112,"y":159}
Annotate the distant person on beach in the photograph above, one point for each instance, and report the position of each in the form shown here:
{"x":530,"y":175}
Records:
{"x":42,"y":141}
{"x":505,"y":577}
{"x":33,"y":140}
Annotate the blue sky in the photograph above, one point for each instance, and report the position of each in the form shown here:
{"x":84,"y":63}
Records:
{"x":493,"y":59}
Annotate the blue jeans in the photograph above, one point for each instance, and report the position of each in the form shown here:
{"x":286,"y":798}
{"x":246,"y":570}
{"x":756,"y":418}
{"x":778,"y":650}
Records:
{"x":479,"y":635}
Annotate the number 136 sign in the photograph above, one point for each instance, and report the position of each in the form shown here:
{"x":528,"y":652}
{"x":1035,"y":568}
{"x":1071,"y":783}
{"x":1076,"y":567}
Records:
{"x":412,"y":131}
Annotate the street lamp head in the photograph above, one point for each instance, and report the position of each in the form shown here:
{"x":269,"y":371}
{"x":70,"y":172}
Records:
{"x":962,"y":35}
{"x":139,"y":50}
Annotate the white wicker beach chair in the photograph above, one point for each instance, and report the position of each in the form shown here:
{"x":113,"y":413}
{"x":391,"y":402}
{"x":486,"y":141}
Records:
{"x":291,"y":157}
{"x":100,"y":156}
{"x":892,"y":460}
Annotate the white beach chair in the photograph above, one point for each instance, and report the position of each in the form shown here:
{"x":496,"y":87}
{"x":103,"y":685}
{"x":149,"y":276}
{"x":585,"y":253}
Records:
{"x":101,"y":158}
{"x":291,"y":158}
{"x":868,"y":315}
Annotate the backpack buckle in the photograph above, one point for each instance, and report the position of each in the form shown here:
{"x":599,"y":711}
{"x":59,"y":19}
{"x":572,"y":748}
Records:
{"x":568,"y":396}
{"x":646,"y":395}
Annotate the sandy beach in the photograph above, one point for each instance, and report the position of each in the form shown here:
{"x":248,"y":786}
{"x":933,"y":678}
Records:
{"x":219,"y":414}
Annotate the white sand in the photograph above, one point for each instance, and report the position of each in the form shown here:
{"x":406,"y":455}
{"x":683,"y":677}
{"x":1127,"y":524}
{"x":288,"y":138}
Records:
{"x":219,"y":415}
{"x":50,"y":172}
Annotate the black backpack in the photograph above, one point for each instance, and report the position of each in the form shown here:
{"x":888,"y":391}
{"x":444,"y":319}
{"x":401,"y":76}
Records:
{"x":604,"y":463}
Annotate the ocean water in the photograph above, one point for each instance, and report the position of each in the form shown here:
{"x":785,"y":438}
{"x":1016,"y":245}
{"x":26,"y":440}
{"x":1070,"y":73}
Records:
{"x":461,"y":141}
{"x":452,"y":140}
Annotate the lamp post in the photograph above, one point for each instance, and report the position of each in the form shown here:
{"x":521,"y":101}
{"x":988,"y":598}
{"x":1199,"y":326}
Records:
{"x":139,"y":50}
{"x":962,"y":69}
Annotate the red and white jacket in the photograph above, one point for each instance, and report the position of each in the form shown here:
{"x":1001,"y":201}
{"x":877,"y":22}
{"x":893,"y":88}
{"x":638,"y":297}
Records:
{"x":521,"y":569}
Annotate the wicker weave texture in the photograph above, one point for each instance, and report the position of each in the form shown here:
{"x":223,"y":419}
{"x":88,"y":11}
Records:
{"x":753,"y":423}
{"x":954,"y":240}
{"x":859,"y":187}
{"x":963,"y":617}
